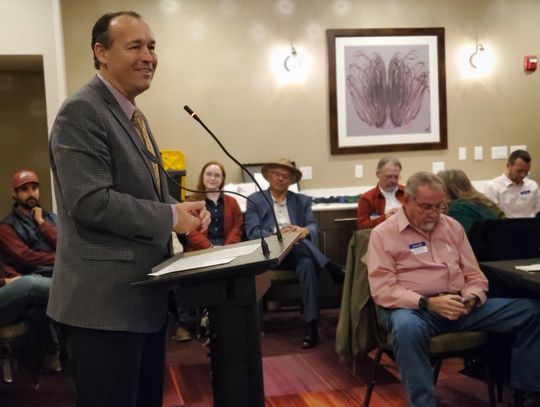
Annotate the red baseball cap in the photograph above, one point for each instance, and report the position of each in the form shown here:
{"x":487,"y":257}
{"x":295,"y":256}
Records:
{"x":22,"y":177}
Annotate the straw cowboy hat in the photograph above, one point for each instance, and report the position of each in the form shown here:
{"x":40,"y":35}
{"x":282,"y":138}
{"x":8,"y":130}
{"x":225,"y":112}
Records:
{"x":285,"y":164}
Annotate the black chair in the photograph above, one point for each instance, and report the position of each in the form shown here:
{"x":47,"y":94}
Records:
{"x":11,"y":336}
{"x":441,"y":346}
{"x":505,"y":239}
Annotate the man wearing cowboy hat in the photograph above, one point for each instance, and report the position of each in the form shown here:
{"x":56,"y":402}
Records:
{"x":293,"y":213}
{"x":28,"y":233}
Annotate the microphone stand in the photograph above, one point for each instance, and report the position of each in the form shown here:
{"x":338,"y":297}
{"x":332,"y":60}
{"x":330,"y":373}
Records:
{"x":194,"y":116}
{"x":151,"y":157}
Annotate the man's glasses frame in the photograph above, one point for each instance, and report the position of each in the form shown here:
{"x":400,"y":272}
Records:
{"x":426,"y":207}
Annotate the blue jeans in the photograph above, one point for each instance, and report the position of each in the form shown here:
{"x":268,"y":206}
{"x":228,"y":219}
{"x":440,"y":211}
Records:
{"x":26,"y":299}
{"x":411,"y":330}
{"x":301,"y":261}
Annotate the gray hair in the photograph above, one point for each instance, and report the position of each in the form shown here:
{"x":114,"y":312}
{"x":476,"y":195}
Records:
{"x":388,"y":160}
{"x":422,"y":178}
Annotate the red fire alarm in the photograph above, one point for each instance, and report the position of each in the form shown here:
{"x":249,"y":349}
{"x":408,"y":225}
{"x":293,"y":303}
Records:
{"x":530,"y":62}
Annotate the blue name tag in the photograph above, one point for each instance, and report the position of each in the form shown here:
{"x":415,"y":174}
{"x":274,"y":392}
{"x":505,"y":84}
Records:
{"x":525,"y":192}
{"x":418,"y":248}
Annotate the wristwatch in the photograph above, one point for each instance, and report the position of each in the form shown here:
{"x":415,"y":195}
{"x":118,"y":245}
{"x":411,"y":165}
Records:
{"x":423,"y":303}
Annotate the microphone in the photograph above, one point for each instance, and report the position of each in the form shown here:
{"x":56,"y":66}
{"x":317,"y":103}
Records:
{"x":194,"y":116}
{"x":153,"y":158}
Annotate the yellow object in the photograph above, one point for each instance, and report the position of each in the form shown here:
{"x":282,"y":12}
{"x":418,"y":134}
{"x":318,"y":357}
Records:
{"x":173,"y":160}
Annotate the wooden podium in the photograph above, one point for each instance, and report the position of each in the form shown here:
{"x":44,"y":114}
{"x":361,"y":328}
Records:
{"x":231,"y":293}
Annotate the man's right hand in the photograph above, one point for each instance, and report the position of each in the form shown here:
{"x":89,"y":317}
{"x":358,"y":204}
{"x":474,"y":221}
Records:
{"x":448,"y":306}
{"x":191,"y":216}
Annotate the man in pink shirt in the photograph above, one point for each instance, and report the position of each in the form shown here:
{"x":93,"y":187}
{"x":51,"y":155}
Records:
{"x":423,"y":273}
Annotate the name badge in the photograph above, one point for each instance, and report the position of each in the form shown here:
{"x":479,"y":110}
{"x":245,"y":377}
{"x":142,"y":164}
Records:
{"x":525,"y":192}
{"x":418,"y":248}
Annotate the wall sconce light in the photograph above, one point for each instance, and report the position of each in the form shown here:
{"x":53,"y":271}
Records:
{"x":475,"y":60}
{"x":290,"y":65}
{"x":292,"y":62}
{"x":476,"y":56}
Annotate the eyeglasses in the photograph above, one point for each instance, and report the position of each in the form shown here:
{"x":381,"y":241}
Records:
{"x":278,"y":174}
{"x":213,"y":175}
{"x":425,"y":207}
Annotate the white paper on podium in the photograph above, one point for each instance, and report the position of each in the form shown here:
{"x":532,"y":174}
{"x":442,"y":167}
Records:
{"x":532,"y":267}
{"x":212,"y":258}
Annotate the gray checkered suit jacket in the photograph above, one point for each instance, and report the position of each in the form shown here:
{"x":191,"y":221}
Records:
{"x":112,"y":224}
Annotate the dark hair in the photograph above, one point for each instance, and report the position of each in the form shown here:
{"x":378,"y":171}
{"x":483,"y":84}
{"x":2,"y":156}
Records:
{"x":198,"y":196}
{"x":524,"y":155}
{"x":100,"y":32}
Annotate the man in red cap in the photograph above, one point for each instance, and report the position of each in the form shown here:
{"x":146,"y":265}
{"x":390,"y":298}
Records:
{"x":28,"y":233}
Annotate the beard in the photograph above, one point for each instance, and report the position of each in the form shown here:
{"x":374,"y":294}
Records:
{"x":29,"y":204}
{"x":428,"y":226}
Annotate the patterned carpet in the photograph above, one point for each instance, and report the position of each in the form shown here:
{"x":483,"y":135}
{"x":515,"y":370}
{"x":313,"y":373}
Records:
{"x":293,"y":377}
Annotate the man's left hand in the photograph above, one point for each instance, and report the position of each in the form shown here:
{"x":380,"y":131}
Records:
{"x":304,"y":232}
{"x":205,"y":218}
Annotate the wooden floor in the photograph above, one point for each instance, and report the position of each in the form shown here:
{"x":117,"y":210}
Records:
{"x":293,"y":377}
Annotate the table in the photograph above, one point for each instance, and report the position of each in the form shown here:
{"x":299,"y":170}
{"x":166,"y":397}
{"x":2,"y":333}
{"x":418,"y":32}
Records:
{"x":507,"y":281}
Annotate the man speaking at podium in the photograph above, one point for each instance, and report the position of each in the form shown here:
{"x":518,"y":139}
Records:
{"x":293,"y":214}
{"x":115,"y":219}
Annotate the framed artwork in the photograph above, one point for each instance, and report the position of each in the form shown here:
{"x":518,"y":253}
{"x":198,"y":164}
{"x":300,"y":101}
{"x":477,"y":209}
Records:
{"x":387,"y":90}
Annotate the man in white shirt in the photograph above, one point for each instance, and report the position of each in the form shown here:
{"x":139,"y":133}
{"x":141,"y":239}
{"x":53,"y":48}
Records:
{"x":516,"y":194}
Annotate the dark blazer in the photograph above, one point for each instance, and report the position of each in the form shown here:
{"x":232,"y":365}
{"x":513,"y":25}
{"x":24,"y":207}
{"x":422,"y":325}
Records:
{"x":299,"y":208}
{"x":114,"y":224}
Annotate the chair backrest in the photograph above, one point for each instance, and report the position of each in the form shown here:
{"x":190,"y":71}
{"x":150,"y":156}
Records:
{"x":9,"y":332}
{"x":353,"y":334}
{"x":505,"y":239}
{"x":379,"y":333}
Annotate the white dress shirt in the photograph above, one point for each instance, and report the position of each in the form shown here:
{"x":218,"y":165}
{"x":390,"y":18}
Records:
{"x":516,"y":201}
{"x":282,"y":212}
{"x":391,"y":202}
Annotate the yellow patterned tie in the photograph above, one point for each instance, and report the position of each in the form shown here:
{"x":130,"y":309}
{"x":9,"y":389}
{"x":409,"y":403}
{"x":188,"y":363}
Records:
{"x":138,"y":122}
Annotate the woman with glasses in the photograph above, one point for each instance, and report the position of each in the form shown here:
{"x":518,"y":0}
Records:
{"x":227,"y":224}
{"x":226,"y":227}
{"x":466,"y":204}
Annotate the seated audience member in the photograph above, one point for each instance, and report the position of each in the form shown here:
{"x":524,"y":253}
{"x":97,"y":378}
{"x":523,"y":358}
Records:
{"x":465,"y":203}
{"x":227,"y":222}
{"x":514,"y":192}
{"x":423,"y":273}
{"x":226,"y":227}
{"x":293,"y":213}
{"x":25,"y":298}
{"x":28,"y":233}
{"x":381,"y":202}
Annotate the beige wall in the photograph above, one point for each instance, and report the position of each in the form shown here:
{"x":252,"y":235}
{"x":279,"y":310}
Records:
{"x":214,"y":56}
{"x":23,"y":130}
{"x":31,"y":29}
